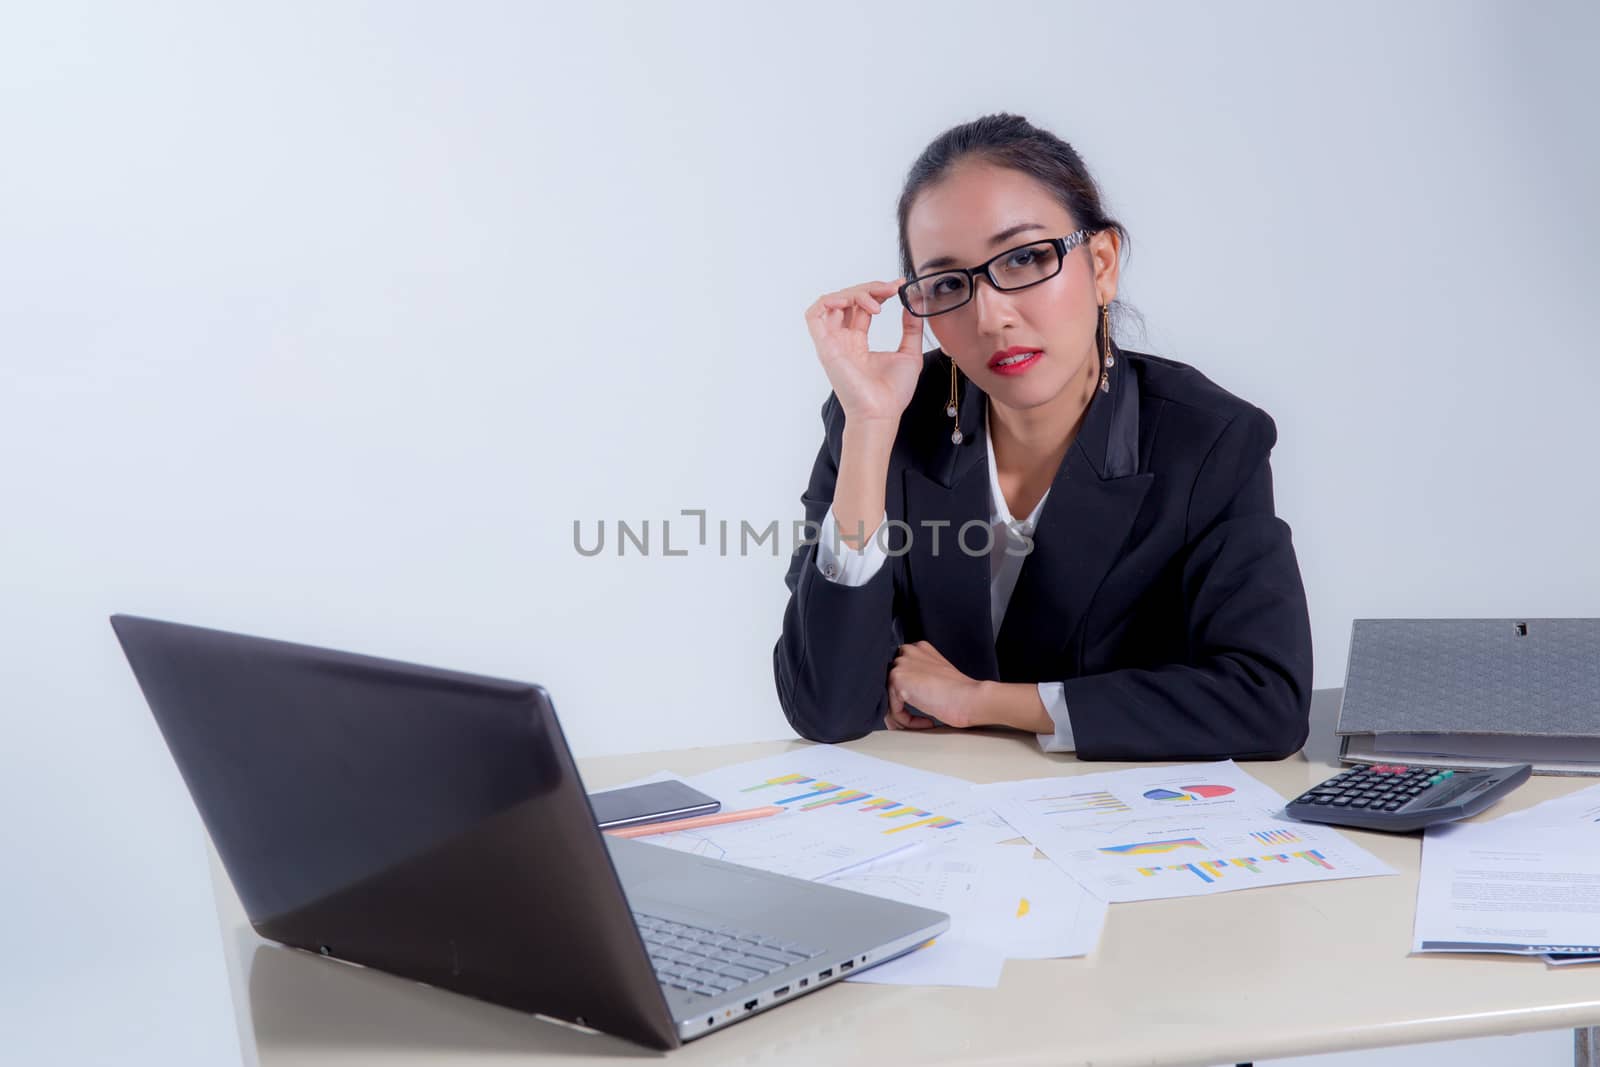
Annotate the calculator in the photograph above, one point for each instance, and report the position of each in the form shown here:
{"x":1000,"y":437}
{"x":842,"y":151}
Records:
{"x":1399,"y":797}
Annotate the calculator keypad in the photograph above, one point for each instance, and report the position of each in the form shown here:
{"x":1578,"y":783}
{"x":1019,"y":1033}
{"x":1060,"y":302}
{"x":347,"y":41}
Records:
{"x":1402,"y":797}
{"x":1380,"y":787}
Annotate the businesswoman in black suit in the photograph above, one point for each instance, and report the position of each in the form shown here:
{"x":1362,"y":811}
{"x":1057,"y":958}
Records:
{"x":1149,"y":606}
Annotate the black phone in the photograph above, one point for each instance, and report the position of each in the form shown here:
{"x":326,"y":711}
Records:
{"x":636,"y":805}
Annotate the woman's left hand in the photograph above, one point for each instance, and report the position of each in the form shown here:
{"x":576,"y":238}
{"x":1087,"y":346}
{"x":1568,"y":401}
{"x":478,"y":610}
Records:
{"x":923,"y":678}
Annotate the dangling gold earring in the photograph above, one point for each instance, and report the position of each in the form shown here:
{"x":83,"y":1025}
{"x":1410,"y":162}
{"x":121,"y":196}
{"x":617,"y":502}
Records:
{"x":1105,"y":344}
{"x":951,"y":409}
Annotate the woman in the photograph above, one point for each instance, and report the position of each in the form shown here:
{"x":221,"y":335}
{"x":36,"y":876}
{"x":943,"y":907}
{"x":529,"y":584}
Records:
{"x":1148,"y":607}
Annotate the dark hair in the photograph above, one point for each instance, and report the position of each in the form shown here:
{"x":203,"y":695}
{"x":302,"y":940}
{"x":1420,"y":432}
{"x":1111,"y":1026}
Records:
{"x":1008,"y":140}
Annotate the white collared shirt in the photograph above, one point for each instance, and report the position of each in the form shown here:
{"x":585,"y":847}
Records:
{"x":844,"y":565}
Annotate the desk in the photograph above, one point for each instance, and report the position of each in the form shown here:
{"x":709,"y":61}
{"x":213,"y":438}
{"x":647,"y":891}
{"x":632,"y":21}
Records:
{"x":1280,"y":971}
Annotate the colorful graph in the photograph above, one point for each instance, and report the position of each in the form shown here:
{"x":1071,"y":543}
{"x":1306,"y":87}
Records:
{"x":1145,"y":848}
{"x":812,"y":794}
{"x":1275,"y":837}
{"x":1210,"y":871}
{"x":1190,"y":792}
{"x":1071,"y":803}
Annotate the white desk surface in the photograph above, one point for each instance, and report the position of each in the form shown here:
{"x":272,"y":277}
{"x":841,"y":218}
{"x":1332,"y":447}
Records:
{"x":1262,"y":973}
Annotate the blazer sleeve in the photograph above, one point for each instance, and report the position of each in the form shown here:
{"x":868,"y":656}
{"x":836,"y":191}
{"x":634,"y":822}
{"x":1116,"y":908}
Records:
{"x":1245,"y":690}
{"x":831,"y":663}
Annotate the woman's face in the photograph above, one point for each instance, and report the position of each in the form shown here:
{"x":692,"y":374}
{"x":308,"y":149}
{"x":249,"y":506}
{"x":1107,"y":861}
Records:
{"x":961,"y":219}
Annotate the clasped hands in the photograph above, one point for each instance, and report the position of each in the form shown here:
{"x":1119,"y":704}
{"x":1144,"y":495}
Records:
{"x":922,"y":678}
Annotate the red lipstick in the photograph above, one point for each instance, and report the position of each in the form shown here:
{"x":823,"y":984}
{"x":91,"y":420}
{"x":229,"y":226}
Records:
{"x":1007,"y":361}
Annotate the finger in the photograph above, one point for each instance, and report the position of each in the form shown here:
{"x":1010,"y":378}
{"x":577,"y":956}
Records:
{"x":835,"y":312}
{"x":910,"y":332}
{"x":856,"y":294}
{"x":816,"y":322}
{"x":864,"y":300}
{"x":898,"y":709}
{"x":869,"y":295}
{"x":821,"y":323}
{"x":888,"y":721}
{"x":831,"y":314}
{"x":857,"y":310}
{"x":896,"y":704}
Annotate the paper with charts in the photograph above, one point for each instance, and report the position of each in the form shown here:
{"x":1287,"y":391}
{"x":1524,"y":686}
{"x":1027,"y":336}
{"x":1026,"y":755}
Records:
{"x":842,"y":809}
{"x":1174,"y":832}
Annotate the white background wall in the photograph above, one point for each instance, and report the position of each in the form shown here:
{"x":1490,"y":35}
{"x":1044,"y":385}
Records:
{"x":326,"y":321}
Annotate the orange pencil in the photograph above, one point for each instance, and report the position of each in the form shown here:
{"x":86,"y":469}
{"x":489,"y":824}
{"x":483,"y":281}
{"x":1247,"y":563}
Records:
{"x":699,"y":820}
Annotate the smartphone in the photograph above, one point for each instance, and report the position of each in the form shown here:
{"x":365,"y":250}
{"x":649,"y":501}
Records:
{"x":636,"y":805}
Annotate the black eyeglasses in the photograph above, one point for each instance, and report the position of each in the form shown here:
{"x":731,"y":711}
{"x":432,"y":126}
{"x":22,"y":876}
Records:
{"x":1013,"y":269}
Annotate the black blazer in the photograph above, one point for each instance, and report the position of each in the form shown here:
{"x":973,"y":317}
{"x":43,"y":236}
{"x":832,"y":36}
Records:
{"x":1162,"y":589}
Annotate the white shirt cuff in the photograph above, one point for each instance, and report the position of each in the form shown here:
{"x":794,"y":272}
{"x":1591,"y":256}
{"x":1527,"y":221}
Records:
{"x":843,"y":565}
{"x":1054,"y":695}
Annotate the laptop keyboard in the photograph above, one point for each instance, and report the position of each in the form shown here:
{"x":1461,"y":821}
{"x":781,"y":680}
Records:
{"x":713,"y":961}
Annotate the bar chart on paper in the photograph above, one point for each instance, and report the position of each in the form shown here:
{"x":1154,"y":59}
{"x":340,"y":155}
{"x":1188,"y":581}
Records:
{"x":1167,"y":859}
{"x":1189,"y":830}
{"x":1211,"y":871}
{"x":841,"y":810}
{"x":901,"y":804}
{"x":808,"y":794}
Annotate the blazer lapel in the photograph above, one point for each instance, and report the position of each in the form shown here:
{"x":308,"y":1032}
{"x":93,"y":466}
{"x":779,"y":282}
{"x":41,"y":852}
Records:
{"x":1094,"y":498}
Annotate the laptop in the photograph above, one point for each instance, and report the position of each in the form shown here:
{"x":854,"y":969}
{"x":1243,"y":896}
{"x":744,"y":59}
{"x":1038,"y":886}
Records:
{"x":432,"y":824}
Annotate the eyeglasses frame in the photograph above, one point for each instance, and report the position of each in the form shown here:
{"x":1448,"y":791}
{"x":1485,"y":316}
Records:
{"x":1062,"y":245}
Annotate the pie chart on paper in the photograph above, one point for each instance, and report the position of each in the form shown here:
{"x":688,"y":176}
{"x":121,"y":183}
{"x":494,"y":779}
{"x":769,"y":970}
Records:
{"x":1189,"y":792}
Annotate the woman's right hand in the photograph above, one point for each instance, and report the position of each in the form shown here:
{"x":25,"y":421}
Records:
{"x":871,"y":386}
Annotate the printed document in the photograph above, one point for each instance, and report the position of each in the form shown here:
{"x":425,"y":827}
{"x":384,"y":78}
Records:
{"x":1527,"y":883}
{"x":1191,"y":830}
